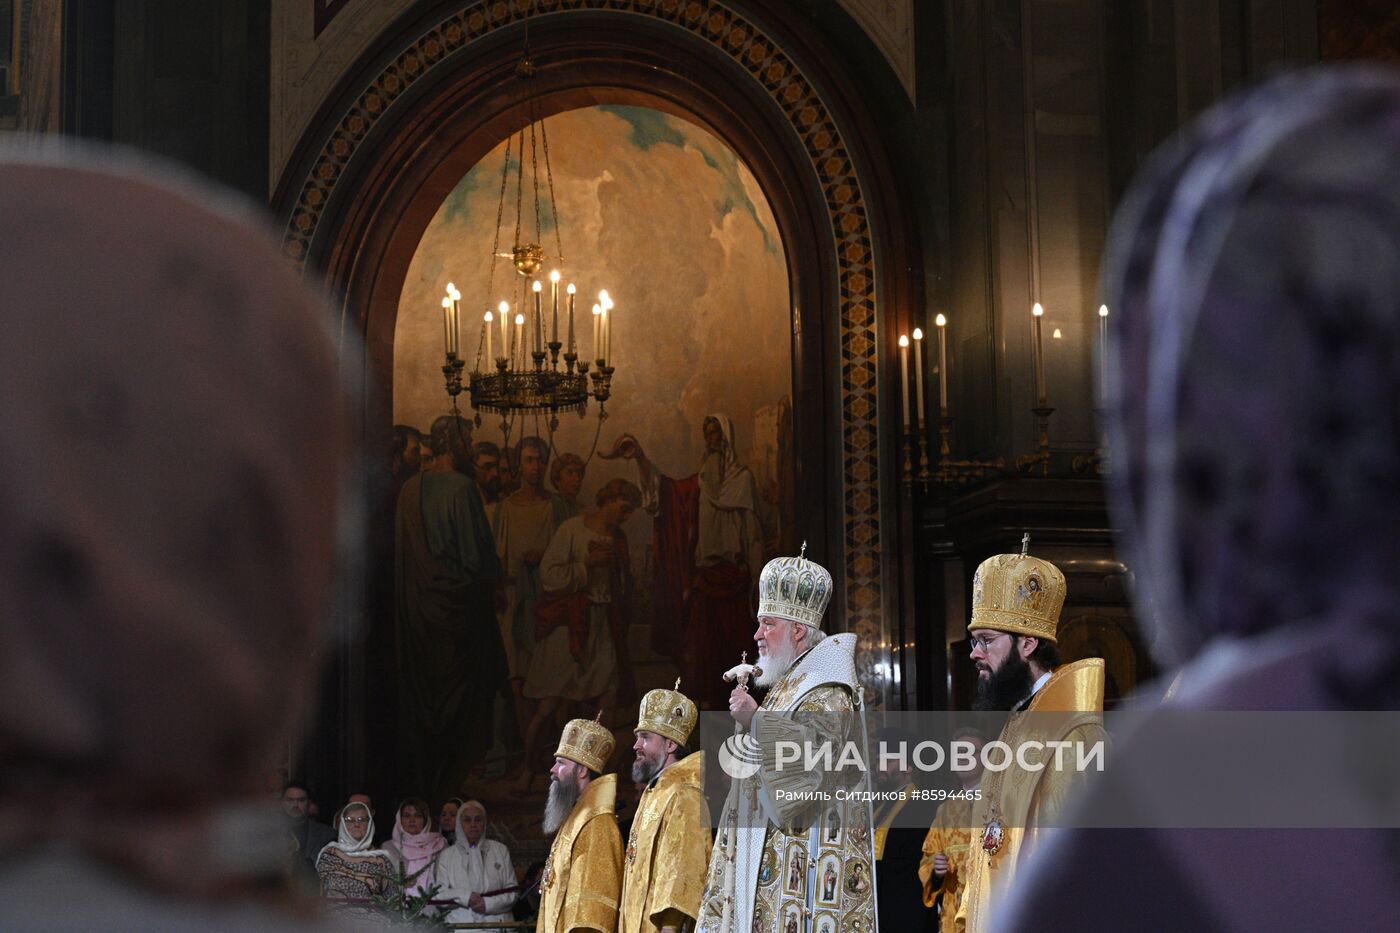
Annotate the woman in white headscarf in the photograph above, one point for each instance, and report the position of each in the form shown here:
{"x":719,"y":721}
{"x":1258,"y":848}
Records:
{"x":351,"y":869}
{"x":473,"y":866}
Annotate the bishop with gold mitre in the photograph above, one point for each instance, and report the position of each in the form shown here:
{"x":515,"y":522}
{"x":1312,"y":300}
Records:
{"x":663,"y":872}
{"x":1016,"y":603}
{"x":582,"y":878}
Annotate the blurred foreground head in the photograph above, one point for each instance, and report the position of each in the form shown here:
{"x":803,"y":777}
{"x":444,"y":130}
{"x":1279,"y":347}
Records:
{"x":170,"y":442}
{"x":1254,"y":276}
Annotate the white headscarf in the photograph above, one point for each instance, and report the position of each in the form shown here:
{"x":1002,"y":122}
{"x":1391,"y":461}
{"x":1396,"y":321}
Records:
{"x":348,"y":843}
{"x":460,"y":841}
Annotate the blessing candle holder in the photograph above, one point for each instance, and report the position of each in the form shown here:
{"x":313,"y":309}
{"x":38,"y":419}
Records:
{"x":1041,"y":458}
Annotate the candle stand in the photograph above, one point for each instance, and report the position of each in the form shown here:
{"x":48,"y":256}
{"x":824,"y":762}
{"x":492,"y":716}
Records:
{"x":1097,"y":462}
{"x":949,"y":472}
{"x":1041,"y":458}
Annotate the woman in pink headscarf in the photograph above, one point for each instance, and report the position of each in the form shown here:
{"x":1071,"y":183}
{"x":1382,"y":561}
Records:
{"x":415,"y":845}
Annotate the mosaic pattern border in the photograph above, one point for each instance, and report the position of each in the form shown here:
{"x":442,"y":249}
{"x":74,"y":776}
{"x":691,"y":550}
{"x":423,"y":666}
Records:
{"x":761,"y":56}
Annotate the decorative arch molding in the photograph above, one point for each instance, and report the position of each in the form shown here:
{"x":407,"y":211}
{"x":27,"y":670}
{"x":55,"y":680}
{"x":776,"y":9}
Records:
{"x":357,"y":163}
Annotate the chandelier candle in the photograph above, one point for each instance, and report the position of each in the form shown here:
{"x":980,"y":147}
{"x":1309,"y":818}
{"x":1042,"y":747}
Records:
{"x":518,"y":345}
{"x":597,"y":334}
{"x":554,"y":306}
{"x":486,"y":327}
{"x":1037,"y":312}
{"x":539,"y":317}
{"x":904,"y":378}
{"x":607,"y":304}
{"x":919,"y":372}
{"x":942,"y":323}
{"x":503,"y":310}
{"x":571,"y":291}
{"x":447,"y":325}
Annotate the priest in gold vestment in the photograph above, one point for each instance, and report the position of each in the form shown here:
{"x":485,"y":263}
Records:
{"x":582,"y":878}
{"x":663,"y":873}
{"x":785,"y":857}
{"x":943,"y":868}
{"x":1016,"y":603}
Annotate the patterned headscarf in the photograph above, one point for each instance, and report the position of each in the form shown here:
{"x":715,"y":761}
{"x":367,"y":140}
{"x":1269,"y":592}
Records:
{"x":1254,"y":276}
{"x":170,"y":447}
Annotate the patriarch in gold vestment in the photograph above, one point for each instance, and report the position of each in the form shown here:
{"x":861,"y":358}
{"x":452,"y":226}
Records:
{"x":794,"y":848}
{"x":669,"y":847}
{"x":582,"y":878}
{"x":1016,"y":603}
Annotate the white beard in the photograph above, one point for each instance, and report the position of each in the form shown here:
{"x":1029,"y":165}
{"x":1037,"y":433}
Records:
{"x":561,"y":801}
{"x":775,"y":665}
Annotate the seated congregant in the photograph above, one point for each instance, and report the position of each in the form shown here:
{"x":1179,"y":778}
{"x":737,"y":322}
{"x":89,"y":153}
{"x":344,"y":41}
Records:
{"x":354,"y":873}
{"x":414,"y":845}
{"x":474,"y":867}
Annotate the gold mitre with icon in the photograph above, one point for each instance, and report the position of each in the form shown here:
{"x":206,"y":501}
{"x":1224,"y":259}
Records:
{"x":587,"y":742}
{"x":1019,"y":594}
{"x":668,"y":713}
{"x":794,"y":588}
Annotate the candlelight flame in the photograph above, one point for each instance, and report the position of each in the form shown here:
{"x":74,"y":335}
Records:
{"x":903,"y":340}
{"x":1056,"y":335}
{"x":520,"y":320}
{"x":918,"y":334}
{"x":456,"y":295}
{"x":504,"y":308}
{"x":571,"y":288}
{"x":451,"y":288}
{"x":597,"y":309}
{"x":1037,"y":310}
{"x":1103,"y":310}
{"x":447,"y":302}
{"x":554,"y":275}
{"x":537,"y":286}
{"x":490,"y":317}
{"x":941,"y":321}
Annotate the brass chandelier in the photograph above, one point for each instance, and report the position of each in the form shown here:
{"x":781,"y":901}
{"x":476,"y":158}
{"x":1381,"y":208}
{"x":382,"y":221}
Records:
{"x":517,"y":369}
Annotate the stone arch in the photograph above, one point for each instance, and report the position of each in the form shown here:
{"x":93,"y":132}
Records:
{"x":342,"y":183}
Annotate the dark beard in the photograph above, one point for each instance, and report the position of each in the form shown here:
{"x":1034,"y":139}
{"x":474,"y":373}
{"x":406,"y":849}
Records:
{"x":644,"y":769}
{"x":1006,"y":686}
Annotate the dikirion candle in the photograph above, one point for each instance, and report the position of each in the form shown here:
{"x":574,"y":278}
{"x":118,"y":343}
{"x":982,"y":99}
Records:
{"x":942,"y":324}
{"x":1038,"y":312}
{"x":904,"y":378}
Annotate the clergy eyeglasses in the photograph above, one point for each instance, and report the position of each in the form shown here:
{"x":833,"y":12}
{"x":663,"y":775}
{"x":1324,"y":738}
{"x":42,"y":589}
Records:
{"x":983,"y":642}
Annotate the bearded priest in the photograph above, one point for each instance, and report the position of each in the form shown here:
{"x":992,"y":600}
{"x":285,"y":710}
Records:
{"x":663,"y":874}
{"x":1016,"y":603}
{"x":583,"y":874}
{"x":791,"y":853}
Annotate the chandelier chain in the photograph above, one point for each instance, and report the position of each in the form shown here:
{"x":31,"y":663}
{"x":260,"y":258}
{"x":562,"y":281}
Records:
{"x":553,"y":204}
{"x":500,"y":211}
{"x":519,"y":186}
{"x":535,"y":170}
